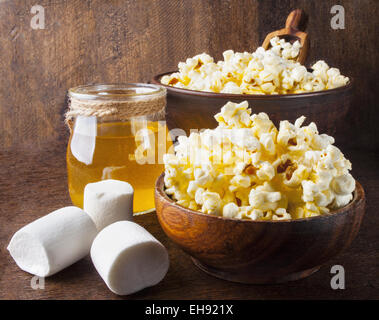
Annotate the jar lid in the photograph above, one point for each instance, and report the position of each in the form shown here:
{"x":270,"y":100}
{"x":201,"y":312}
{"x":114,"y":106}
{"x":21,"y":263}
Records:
{"x":116,"y":101}
{"x":125,"y":91}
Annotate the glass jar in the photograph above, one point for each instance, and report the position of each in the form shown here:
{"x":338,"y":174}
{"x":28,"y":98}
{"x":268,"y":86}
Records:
{"x":117,"y":132}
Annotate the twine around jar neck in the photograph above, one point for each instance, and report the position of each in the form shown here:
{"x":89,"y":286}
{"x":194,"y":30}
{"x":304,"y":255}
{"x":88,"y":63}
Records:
{"x":113,"y":110}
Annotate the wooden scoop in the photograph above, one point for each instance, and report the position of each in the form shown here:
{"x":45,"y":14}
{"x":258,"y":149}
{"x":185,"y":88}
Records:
{"x":292,"y":33}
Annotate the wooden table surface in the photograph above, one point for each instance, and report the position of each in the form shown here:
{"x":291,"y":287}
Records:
{"x":34,"y":183}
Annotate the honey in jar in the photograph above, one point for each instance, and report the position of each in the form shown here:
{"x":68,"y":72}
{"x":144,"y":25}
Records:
{"x":125,"y":145}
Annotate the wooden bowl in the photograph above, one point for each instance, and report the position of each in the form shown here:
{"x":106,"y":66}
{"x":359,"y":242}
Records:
{"x":190,"y":109}
{"x":259,"y":252}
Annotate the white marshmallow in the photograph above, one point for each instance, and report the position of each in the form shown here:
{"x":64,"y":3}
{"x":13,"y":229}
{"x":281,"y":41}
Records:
{"x":53,"y":242}
{"x":108,"y":201}
{"x":128,"y":258}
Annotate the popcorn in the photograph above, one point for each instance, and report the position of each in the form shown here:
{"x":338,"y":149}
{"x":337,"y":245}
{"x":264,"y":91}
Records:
{"x":230,"y":210}
{"x":281,"y":214}
{"x":248,"y":169}
{"x":231,"y":87}
{"x":211,"y":203}
{"x":266,"y":171}
{"x":240,"y":181}
{"x":234,"y":115}
{"x":344,"y":184}
{"x":256,"y":214}
{"x":264,"y":200}
{"x":272,"y":71}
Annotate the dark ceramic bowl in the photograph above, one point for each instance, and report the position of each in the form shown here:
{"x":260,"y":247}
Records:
{"x":250,"y":251}
{"x":190,"y":109}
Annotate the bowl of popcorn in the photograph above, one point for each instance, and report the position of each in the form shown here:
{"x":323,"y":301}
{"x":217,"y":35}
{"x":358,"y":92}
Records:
{"x":254,"y":203}
{"x":270,"y":80}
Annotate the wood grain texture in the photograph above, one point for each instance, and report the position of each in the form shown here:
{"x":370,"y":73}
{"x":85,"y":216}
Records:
{"x":123,"y":41}
{"x":259,"y":252}
{"x":36,"y":185}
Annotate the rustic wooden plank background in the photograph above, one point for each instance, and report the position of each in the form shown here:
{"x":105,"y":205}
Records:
{"x":123,"y":41}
